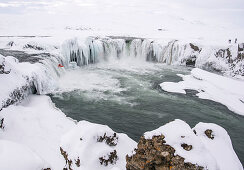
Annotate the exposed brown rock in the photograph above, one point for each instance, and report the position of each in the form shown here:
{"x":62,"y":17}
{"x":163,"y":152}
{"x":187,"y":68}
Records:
{"x":67,"y":160}
{"x":154,"y":154}
{"x":209,"y":134}
{"x":77,"y":162}
{"x":112,"y":158}
{"x":194,"y":47}
{"x":186,"y":147}
{"x":109,"y":140}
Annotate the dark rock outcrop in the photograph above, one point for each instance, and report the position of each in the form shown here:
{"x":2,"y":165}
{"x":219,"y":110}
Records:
{"x":19,"y":94}
{"x":191,"y":60}
{"x":2,"y":69}
{"x":209,"y":133}
{"x":195,"y":48}
{"x":35,"y":47}
{"x":67,"y":160}
{"x":154,"y":154}
{"x":24,"y":57}
{"x":111,"y":158}
{"x":109,"y":140}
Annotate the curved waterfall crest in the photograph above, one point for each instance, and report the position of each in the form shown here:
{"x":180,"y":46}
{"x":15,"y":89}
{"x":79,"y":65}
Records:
{"x":94,"y":50}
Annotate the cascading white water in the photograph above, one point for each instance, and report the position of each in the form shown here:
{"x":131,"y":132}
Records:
{"x":94,"y":50}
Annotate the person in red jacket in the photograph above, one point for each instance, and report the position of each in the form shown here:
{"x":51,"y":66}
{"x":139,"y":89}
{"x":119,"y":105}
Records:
{"x":60,"y":65}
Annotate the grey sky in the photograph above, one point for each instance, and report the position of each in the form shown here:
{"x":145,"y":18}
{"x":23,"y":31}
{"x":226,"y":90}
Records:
{"x":223,"y":10}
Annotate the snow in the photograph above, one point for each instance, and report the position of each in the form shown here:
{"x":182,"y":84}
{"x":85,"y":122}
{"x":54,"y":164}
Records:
{"x":21,"y":157}
{"x":224,"y":90}
{"x":205,"y":152}
{"x":82,"y":142}
{"x":43,"y":129}
{"x":208,"y":21}
{"x":23,"y":74}
{"x":39,"y":126}
{"x":220,"y":147}
{"x":61,"y":27}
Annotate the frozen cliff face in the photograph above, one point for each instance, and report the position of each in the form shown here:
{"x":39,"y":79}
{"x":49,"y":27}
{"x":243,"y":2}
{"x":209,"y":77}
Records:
{"x":227,"y":59}
{"x":86,"y":50}
{"x":20,"y":79}
{"x":177,"y":146}
{"x":94,"y":146}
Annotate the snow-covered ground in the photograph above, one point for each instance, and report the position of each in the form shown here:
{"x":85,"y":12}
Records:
{"x":215,"y":152}
{"x":211,"y":86}
{"x":35,"y":130}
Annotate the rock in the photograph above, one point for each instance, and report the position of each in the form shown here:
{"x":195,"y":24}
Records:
{"x":109,"y":159}
{"x":35,"y":47}
{"x":1,"y":123}
{"x":109,"y":140}
{"x":195,"y":48}
{"x":209,"y":134}
{"x":191,"y":61}
{"x":67,"y":160}
{"x":186,"y":147}
{"x":155,"y":154}
{"x":11,"y":44}
{"x":24,"y":57}
{"x":2,"y":68}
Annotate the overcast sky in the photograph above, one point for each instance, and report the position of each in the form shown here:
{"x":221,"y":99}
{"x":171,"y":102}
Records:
{"x":229,"y":11}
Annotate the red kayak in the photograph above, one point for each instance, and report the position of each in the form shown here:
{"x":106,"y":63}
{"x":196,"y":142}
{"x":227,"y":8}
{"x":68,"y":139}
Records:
{"x":60,"y":65}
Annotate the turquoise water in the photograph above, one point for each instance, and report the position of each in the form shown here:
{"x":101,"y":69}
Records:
{"x":133,"y":103}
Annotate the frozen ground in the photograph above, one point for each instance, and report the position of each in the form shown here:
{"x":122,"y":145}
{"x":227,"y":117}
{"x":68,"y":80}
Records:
{"x":211,"y":86}
{"x":215,"y":153}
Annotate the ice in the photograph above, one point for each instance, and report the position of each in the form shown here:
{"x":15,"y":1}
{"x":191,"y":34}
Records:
{"x":224,"y":90}
{"x":26,"y":76}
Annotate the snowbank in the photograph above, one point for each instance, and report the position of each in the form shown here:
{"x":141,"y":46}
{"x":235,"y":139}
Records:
{"x":205,"y":151}
{"x":211,"y":86}
{"x":37,"y":124}
{"x":96,"y":147}
{"x":219,"y":145}
{"x":20,"y":156}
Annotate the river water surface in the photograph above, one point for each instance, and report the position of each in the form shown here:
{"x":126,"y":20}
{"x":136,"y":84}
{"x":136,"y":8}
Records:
{"x":126,"y":96}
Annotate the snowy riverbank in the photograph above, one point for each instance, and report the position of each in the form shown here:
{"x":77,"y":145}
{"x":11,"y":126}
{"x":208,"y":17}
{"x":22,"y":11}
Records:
{"x":36,"y":127}
{"x":224,"y":90}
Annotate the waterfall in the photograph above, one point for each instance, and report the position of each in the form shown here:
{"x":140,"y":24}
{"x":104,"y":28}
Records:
{"x":94,"y":50}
